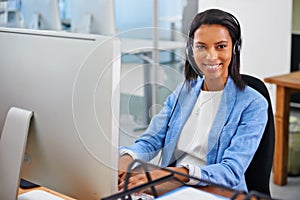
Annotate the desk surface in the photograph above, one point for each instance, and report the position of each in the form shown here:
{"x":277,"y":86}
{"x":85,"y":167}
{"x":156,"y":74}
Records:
{"x":210,"y":189}
{"x":291,"y":80}
{"x":22,"y":191}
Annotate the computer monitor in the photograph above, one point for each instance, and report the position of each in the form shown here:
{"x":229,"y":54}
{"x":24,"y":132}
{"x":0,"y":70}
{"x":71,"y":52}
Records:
{"x":42,"y":14}
{"x":92,"y":16}
{"x":295,"y":53}
{"x":295,"y":65}
{"x":71,"y":83}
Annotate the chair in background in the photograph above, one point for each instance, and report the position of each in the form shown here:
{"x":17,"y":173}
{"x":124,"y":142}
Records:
{"x":259,"y":170}
{"x":43,"y":15}
{"x":92,"y":17}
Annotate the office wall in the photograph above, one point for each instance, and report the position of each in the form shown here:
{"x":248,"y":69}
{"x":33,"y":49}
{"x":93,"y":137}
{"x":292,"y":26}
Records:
{"x":266,"y":33}
{"x":296,"y":16}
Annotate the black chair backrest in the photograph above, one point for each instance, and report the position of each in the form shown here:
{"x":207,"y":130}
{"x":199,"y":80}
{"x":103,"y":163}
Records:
{"x":259,"y":170}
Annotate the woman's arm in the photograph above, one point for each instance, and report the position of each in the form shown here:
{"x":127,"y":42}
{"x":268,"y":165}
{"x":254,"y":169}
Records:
{"x":237,"y":143}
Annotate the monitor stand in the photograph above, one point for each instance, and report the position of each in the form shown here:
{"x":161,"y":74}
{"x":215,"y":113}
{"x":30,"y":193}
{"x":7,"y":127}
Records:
{"x":12,"y":147}
{"x":24,"y":184}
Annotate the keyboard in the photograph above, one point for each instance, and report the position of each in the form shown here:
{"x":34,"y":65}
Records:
{"x":38,"y":195}
{"x":43,"y":195}
{"x":141,"y":196}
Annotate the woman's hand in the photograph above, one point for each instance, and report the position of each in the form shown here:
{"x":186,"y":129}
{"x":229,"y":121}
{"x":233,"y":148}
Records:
{"x":124,"y":161}
{"x":141,"y":178}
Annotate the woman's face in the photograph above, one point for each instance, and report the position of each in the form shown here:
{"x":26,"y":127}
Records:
{"x":212,"y":48}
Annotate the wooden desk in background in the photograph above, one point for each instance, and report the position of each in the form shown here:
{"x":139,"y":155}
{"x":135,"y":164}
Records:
{"x":285,"y":86}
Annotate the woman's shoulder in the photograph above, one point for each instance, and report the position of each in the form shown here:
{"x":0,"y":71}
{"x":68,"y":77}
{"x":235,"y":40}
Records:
{"x":250,"y":91}
{"x":251,"y":94}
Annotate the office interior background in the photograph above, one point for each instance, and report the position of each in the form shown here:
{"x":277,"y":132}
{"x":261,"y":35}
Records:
{"x":268,"y":28}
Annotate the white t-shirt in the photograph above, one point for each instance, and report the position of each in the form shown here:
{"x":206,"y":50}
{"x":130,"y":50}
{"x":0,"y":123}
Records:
{"x":192,"y":143}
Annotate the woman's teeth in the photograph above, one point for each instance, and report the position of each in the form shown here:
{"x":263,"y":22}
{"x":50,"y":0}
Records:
{"x":212,"y":66}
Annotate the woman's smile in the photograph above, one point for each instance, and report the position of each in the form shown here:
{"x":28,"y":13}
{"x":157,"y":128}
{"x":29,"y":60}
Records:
{"x":212,"y":67}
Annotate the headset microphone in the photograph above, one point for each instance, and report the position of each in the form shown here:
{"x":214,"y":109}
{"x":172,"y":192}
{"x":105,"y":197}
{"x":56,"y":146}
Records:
{"x":190,"y":57}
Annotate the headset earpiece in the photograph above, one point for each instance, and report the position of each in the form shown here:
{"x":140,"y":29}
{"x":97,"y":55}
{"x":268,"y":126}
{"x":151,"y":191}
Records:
{"x":237,"y":47}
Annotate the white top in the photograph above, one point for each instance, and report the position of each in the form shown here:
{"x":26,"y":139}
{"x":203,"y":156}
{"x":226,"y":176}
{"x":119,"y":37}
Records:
{"x":192,"y":143}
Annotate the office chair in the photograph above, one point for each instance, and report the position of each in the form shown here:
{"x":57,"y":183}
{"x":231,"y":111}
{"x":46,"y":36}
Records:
{"x":258,"y":173}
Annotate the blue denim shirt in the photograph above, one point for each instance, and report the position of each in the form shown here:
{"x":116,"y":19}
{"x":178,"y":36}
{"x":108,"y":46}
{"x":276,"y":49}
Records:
{"x":233,"y":139}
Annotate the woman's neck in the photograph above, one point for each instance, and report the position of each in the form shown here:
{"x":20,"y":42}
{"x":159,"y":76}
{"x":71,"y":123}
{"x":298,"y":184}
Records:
{"x":213,"y":85}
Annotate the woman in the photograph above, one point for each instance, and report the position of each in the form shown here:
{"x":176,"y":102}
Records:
{"x":211,"y":125}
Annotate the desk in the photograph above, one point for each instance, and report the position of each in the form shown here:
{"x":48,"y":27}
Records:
{"x":285,"y":86}
{"x":22,"y":191}
{"x":222,"y":192}
{"x":211,"y":189}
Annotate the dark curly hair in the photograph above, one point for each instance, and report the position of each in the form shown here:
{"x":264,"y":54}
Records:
{"x":216,"y":16}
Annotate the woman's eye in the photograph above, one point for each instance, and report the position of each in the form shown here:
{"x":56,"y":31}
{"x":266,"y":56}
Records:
{"x":222,"y":46}
{"x":200,"y":47}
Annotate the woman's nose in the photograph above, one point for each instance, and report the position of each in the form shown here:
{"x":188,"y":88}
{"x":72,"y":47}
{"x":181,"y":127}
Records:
{"x":211,"y":54}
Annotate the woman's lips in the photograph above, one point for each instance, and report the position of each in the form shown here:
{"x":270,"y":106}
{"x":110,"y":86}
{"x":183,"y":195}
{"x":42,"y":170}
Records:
{"x":212,"y":67}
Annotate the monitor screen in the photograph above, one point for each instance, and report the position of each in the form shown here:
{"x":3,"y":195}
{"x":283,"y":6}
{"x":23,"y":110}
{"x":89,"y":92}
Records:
{"x":295,"y":53}
{"x":96,"y":17}
{"x":43,"y":14}
{"x":71,"y":83}
{"x":295,"y":65}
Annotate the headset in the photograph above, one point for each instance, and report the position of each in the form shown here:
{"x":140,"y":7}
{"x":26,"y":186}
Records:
{"x":237,"y":46}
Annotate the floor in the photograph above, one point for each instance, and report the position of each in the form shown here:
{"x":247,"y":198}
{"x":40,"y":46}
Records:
{"x":291,"y":191}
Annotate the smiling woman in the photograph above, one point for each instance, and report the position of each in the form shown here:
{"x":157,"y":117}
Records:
{"x":212,"y":124}
{"x":212,"y":49}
